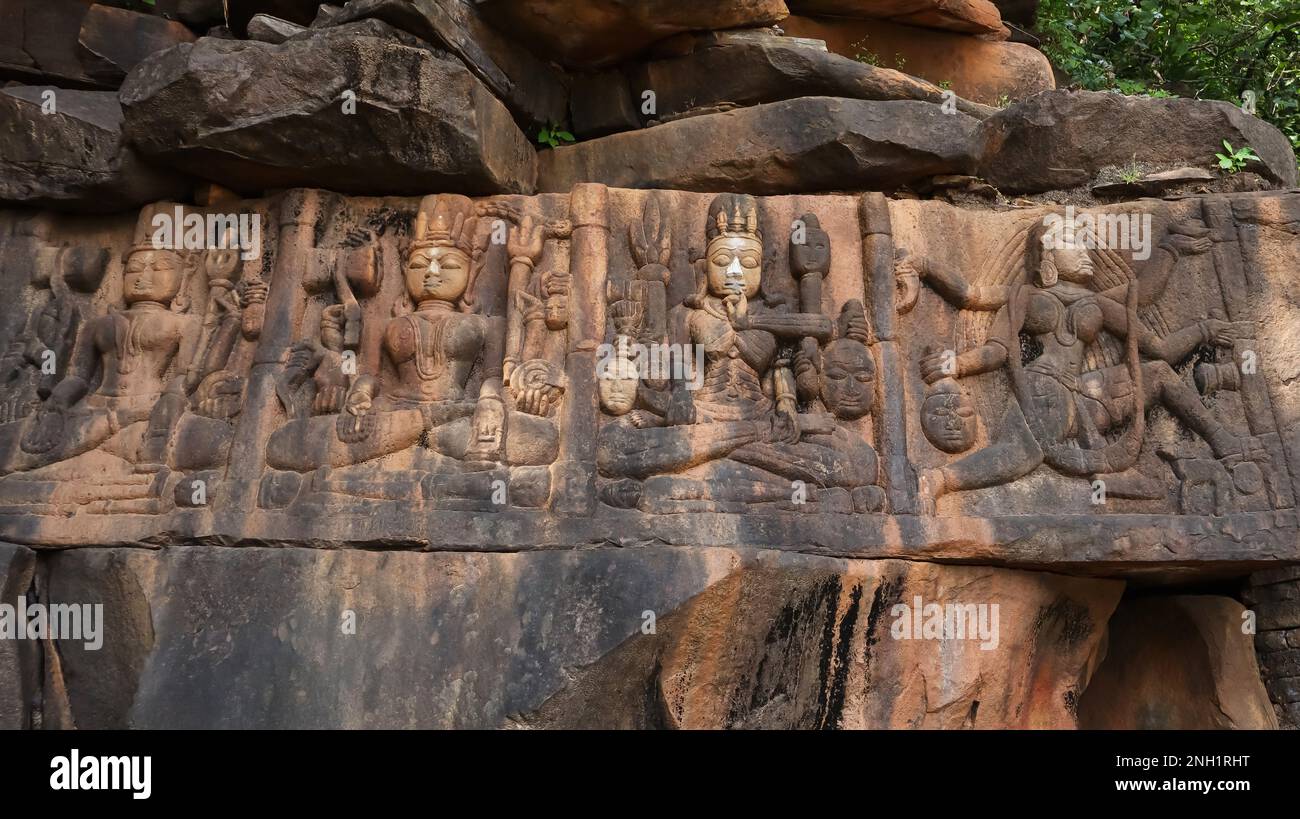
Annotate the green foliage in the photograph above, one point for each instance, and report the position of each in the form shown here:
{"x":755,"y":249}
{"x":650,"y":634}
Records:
{"x":1235,"y":160}
{"x":1210,"y":49}
{"x":1131,"y":172}
{"x":863,"y":54}
{"x":553,"y":135}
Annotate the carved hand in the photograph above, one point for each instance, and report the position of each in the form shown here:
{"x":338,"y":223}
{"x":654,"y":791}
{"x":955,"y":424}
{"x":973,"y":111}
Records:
{"x":1226,"y":333}
{"x":737,"y":310}
{"x":785,"y":423}
{"x":358,"y":401}
{"x":932,"y":369}
{"x":526,"y":240}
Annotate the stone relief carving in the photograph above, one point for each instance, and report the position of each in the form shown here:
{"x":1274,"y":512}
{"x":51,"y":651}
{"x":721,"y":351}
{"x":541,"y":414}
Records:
{"x":741,"y":439}
{"x":455,"y":396}
{"x":147,"y":395}
{"x":627,"y":355}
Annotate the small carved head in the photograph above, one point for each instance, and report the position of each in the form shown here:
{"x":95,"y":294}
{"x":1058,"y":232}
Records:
{"x":813,"y":253}
{"x":948,"y":417}
{"x":617,"y":379}
{"x":152,"y":274}
{"x":440,"y":262}
{"x":734,"y":256}
{"x":848,"y":371}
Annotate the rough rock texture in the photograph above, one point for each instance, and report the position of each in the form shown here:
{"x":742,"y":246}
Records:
{"x":986,"y":71}
{"x":202,"y":637}
{"x":20,"y":683}
{"x":770,"y":70}
{"x":239,"y":12}
{"x":113,"y":41}
{"x":38,"y":42}
{"x":802,"y":145}
{"x":1274,"y":596}
{"x":1179,"y":662}
{"x":967,"y":16}
{"x":273,"y":30}
{"x":592,"y":33}
{"x":422,"y":121}
{"x":73,"y":158}
{"x":1060,"y":139}
{"x":534,"y":90}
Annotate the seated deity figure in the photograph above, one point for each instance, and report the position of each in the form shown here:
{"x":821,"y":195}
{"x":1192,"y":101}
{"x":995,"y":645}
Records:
{"x":740,"y":437}
{"x":417,"y":407}
{"x":1063,"y":409}
{"x":120,"y":368}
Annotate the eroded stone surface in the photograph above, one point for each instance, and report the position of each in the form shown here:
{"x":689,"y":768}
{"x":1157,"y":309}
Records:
{"x":20,"y":682}
{"x":810,"y":144}
{"x":1180,"y":662}
{"x":289,"y":125}
{"x":592,"y":33}
{"x":1060,"y":139}
{"x":609,"y":638}
{"x":968,"y":16}
{"x":74,"y":157}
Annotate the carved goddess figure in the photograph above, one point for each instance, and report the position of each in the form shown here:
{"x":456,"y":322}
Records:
{"x":117,"y":375}
{"x":1062,"y":409}
{"x":420,"y":394}
{"x":740,"y":436}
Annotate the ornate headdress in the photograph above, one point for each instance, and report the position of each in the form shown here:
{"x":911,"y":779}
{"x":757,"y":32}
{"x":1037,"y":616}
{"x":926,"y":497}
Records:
{"x":733,"y":214}
{"x":445,"y":220}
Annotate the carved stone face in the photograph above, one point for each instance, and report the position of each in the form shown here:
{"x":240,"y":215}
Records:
{"x":440,"y":273}
{"x":848,"y":376}
{"x":617,"y":379}
{"x":1072,"y":263}
{"x":735,"y":265}
{"x":151,"y":275}
{"x":948,"y":421}
{"x":618,"y":395}
{"x":814,"y":255}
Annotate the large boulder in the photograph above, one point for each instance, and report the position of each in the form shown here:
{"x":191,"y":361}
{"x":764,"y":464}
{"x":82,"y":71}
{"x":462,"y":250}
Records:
{"x":802,"y":145}
{"x":760,"y":70}
{"x":967,"y":16}
{"x":533,"y":90}
{"x":113,"y":40}
{"x":72,"y":158}
{"x":1181,"y":662}
{"x":1060,"y":139}
{"x":219,"y":637}
{"x":38,"y":42}
{"x":361,"y":108}
{"x":987,"y":71}
{"x":592,"y":33}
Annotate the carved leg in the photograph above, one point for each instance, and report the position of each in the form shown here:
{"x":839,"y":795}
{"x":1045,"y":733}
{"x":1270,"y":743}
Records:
{"x":628,"y":452}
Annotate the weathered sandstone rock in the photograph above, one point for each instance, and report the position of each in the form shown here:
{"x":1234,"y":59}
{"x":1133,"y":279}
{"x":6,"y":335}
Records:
{"x":534,"y":90}
{"x":113,"y":40}
{"x":38,"y":42}
{"x":985,"y":71}
{"x":967,"y":16}
{"x":1179,"y":662}
{"x":1060,"y":139}
{"x":240,"y":12}
{"x":73,"y":159}
{"x":592,"y":33}
{"x":352,"y":108}
{"x":592,"y":638}
{"x":267,"y":29}
{"x":756,"y":71}
{"x":801,"y":145}
{"x":20,"y":682}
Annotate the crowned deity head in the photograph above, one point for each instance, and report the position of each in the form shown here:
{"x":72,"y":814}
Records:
{"x":152,"y":274}
{"x":848,"y":372}
{"x":810,"y":247}
{"x":734,"y":256}
{"x":439,"y":267}
{"x":948,"y":417}
{"x":618,"y":377}
{"x":1058,"y":249}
